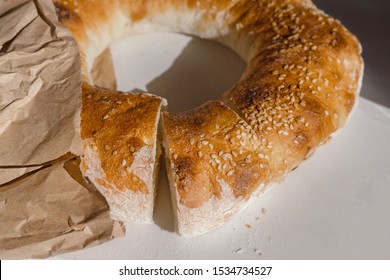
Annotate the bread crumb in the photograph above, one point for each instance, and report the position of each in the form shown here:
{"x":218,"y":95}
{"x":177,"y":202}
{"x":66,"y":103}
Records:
{"x":248,"y":226}
{"x":264,"y":211}
{"x":238,"y":251}
{"x":257,"y":251}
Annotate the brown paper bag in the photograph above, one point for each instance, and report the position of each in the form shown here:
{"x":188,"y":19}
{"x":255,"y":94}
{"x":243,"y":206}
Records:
{"x":46,"y":207}
{"x":43,"y":216}
{"x":39,"y":84}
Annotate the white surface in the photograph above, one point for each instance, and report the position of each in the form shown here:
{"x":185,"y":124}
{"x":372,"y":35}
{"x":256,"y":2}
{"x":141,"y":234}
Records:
{"x":336,"y":205}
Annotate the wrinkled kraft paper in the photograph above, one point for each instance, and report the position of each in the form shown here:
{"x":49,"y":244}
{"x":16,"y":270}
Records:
{"x":46,"y":207}
{"x":42,"y":216}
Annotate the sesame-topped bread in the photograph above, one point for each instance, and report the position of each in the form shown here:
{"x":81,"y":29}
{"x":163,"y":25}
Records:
{"x":121,"y":149}
{"x":302,"y":80}
{"x":214,"y":162}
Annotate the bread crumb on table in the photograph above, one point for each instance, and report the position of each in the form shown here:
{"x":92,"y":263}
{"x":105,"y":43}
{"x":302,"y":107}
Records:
{"x":257,"y":251}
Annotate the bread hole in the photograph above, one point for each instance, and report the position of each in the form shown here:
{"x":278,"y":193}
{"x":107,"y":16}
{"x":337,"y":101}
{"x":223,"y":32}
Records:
{"x":187,"y":71}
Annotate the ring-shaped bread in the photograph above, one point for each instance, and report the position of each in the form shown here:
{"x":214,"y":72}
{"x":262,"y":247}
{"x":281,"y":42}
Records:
{"x":302,"y":80}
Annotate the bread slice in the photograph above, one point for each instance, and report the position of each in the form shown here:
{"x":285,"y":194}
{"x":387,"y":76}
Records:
{"x":121,"y":149}
{"x":214,"y":165}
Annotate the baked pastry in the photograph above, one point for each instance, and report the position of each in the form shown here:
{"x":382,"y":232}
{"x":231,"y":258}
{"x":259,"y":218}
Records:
{"x":214,"y":164}
{"x":121,"y":149}
{"x":302,"y":81}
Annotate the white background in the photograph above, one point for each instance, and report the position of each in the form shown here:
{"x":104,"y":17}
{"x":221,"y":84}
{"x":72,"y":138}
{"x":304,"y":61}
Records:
{"x":281,"y":270}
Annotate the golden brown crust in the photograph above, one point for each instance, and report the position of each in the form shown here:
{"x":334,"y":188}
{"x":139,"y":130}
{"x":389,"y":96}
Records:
{"x":208,"y":145}
{"x":120,"y":125}
{"x":301,"y":85}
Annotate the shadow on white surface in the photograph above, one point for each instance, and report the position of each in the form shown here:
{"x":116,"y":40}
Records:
{"x":163,"y":213}
{"x":197,"y":76}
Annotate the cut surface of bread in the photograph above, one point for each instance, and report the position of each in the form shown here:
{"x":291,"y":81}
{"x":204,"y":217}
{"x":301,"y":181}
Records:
{"x":121,"y":153}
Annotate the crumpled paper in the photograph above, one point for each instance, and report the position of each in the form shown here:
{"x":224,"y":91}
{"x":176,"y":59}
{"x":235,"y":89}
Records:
{"x":46,"y":207}
{"x":45,"y":216}
{"x":39,"y":73}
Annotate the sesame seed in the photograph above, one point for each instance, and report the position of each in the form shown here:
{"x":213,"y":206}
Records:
{"x":192,"y":141}
{"x":261,"y":155}
{"x":200,"y":154}
{"x":326,"y":82}
{"x":124,"y":162}
{"x":174,"y":156}
{"x":239,"y":26}
{"x":204,"y":142}
{"x":230,"y":172}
